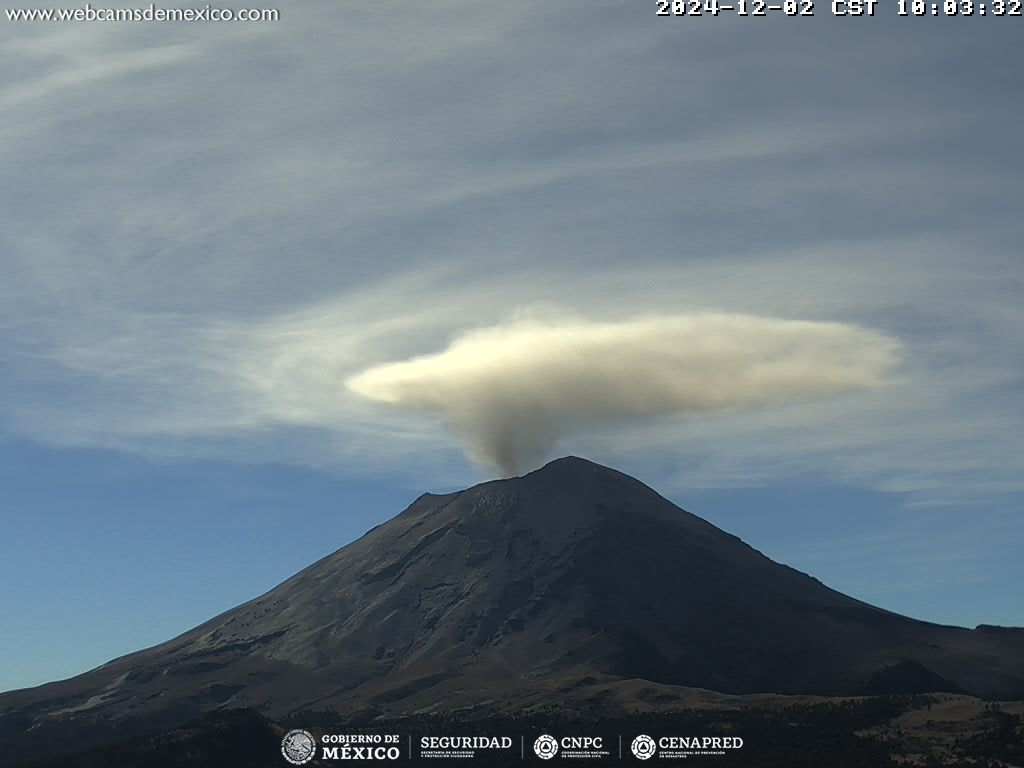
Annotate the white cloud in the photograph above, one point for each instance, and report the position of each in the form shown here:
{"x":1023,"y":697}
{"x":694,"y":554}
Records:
{"x":514,"y":391}
{"x":204,"y":236}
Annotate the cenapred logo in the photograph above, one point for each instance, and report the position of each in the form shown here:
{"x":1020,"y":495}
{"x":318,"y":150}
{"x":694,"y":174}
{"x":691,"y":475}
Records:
{"x":545,"y":746}
{"x":643,"y":747}
{"x":298,"y":746}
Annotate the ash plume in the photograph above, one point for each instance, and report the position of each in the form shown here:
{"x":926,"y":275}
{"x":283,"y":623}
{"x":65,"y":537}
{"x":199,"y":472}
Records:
{"x":513,"y":390}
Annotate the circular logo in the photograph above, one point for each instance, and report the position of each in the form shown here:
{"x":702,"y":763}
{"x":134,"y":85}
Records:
{"x":298,"y":747}
{"x":644,"y":747}
{"x":545,"y":746}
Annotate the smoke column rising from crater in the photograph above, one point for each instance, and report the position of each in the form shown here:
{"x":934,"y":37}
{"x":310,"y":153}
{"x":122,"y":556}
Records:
{"x":513,"y":390}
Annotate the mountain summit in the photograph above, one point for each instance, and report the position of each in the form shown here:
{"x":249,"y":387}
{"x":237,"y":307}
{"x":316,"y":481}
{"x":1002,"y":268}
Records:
{"x":515,"y":593}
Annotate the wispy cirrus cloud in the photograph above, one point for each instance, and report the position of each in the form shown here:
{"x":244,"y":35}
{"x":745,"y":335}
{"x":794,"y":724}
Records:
{"x":204,"y":236}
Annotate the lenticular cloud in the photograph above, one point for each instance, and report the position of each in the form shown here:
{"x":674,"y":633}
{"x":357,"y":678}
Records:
{"x":511,"y":391}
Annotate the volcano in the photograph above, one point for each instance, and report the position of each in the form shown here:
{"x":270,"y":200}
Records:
{"x":572,"y":581}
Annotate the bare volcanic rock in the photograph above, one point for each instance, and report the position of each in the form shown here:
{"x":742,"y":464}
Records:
{"x":509,"y":595}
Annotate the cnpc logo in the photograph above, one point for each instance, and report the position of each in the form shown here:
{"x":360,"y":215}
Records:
{"x":547,"y":746}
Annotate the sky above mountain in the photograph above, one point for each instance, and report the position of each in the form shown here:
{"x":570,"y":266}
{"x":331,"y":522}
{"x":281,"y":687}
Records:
{"x":263,"y":284}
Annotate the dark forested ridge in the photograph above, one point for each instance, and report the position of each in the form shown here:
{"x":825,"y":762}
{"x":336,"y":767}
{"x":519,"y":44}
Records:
{"x":848,"y":733}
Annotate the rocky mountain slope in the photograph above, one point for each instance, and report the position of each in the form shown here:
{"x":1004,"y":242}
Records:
{"x":565,"y":583}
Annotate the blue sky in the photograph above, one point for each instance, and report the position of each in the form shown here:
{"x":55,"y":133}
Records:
{"x":209,"y":229}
